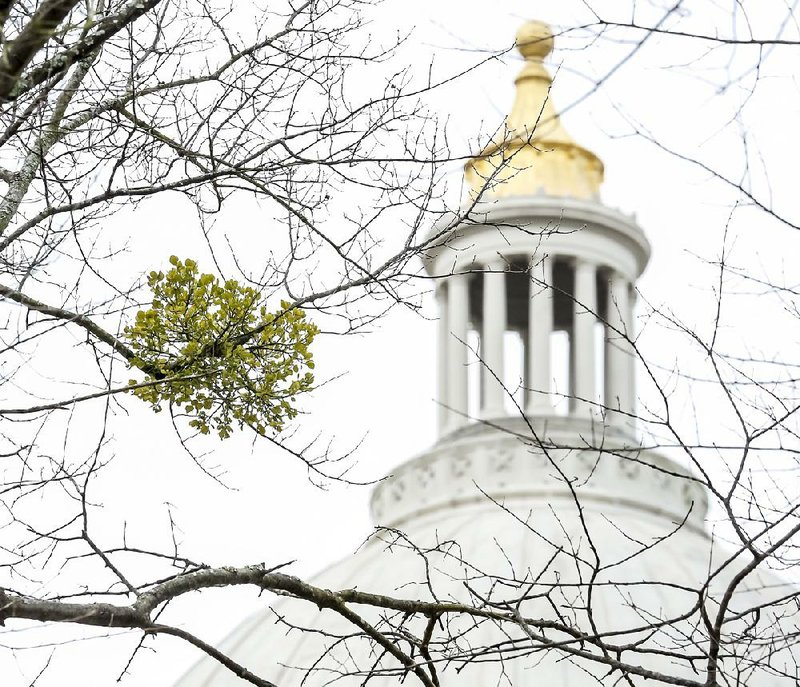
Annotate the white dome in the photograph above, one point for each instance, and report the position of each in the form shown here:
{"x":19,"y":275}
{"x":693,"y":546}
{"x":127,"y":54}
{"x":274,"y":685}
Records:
{"x":560,"y":530}
{"x":486,"y":517}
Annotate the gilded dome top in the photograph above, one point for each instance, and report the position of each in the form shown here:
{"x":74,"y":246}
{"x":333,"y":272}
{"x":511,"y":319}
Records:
{"x":532,"y":153}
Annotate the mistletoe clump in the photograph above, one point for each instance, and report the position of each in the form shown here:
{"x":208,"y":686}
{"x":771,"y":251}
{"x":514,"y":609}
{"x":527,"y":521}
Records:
{"x":219,"y":354}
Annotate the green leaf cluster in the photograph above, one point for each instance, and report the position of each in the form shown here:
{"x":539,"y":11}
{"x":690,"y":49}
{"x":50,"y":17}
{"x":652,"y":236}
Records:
{"x":220,"y":354}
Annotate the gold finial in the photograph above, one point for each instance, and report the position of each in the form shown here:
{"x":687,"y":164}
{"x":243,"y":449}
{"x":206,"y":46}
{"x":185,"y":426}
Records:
{"x":533,"y":153}
{"x":534,"y":40}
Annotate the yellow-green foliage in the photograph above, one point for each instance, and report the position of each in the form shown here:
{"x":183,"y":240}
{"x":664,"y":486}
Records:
{"x":224,"y":358}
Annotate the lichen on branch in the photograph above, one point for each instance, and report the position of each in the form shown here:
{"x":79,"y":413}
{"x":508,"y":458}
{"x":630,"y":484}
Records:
{"x":223,"y":357}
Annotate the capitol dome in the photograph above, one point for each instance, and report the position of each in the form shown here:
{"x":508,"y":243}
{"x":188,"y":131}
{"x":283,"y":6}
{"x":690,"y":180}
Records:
{"x":537,"y":542}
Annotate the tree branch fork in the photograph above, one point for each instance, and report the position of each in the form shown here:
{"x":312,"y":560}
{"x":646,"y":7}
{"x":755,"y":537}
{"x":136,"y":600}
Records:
{"x":139,"y":615}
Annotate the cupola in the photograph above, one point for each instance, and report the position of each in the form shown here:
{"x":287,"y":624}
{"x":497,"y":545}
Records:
{"x":535,"y":258}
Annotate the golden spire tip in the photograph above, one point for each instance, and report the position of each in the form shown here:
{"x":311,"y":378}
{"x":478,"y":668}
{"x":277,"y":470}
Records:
{"x":534,"y":40}
{"x":532,"y":153}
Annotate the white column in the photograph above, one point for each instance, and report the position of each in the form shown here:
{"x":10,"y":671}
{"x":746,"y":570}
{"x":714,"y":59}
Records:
{"x":630,"y":324}
{"x":540,"y":326}
{"x":494,"y":327}
{"x":618,"y":369}
{"x":457,"y":317}
{"x":443,"y":333}
{"x":582,"y":344}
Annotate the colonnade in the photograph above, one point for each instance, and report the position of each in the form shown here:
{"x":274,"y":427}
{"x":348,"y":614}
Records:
{"x":453,"y":294}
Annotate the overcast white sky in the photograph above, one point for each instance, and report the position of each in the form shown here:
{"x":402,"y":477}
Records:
{"x":386,"y":394}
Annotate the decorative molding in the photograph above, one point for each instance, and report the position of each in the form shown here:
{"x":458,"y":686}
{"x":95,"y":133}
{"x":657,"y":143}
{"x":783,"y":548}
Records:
{"x":586,"y":228}
{"x":599,"y":469}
